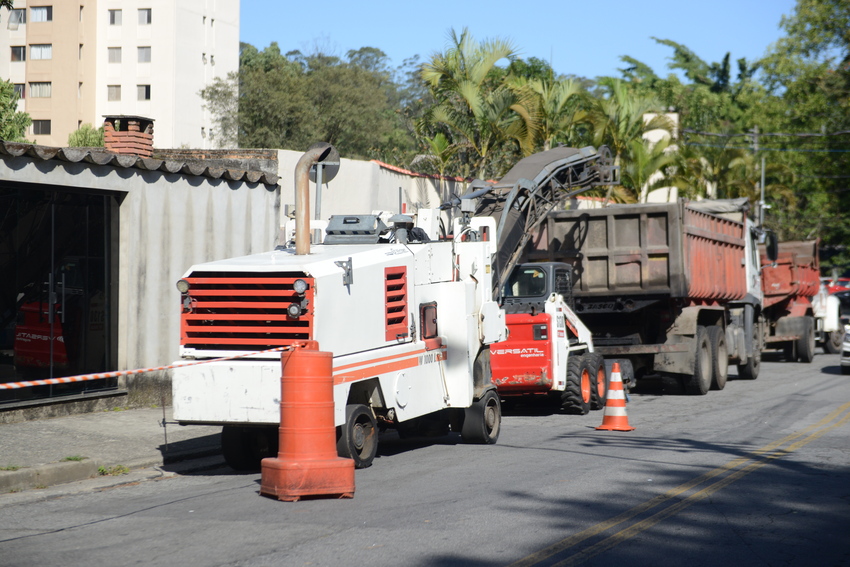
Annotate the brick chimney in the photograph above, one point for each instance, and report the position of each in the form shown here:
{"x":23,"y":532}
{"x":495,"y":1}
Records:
{"x":128,"y":135}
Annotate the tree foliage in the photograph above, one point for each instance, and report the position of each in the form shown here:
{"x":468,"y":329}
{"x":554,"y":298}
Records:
{"x":86,"y":136}
{"x":13,"y":124}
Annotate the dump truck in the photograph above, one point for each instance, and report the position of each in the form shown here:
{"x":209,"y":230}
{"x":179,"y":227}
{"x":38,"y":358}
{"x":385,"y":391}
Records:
{"x":408,"y":318}
{"x":799,"y":315}
{"x":673,"y":288}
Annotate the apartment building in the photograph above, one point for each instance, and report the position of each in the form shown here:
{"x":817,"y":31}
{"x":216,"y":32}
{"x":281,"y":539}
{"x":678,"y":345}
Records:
{"x":75,"y":61}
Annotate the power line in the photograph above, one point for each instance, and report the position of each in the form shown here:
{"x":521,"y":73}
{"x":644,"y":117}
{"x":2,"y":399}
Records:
{"x":763,"y":148}
{"x":750,"y":134}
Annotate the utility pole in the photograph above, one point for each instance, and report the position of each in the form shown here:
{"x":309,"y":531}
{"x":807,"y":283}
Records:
{"x":762,"y":204}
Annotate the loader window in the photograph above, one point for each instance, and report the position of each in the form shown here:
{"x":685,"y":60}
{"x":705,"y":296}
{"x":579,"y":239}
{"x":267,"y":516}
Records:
{"x":526,"y":282}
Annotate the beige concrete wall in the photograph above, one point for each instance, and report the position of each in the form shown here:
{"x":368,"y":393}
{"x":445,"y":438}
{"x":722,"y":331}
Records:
{"x":365,"y":186}
{"x":165,"y":224}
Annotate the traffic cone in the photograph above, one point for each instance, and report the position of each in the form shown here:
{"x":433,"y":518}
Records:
{"x":615,"y":418}
{"x":307,"y":463}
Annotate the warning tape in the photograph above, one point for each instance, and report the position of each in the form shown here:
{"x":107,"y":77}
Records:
{"x":100,"y":376}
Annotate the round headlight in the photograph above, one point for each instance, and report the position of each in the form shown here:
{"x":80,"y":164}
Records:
{"x":294,"y":310}
{"x":300,"y":286}
{"x":183,"y":286}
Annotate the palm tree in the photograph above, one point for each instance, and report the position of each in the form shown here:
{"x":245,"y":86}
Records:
{"x":474,"y":104}
{"x":645,"y":168}
{"x":622,"y":118}
{"x":559,"y":108}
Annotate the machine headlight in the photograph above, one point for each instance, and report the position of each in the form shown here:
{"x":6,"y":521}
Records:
{"x":183,"y":286}
{"x":300,"y":286}
{"x":294,"y":310}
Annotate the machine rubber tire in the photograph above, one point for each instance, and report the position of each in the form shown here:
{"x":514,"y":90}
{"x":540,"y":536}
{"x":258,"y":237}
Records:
{"x":719,"y":357}
{"x":833,"y":342}
{"x":700,"y":381}
{"x":244,"y":448}
{"x":750,"y":369}
{"x":806,"y":343}
{"x":599,"y":385}
{"x":357,"y":439}
{"x":845,"y":369}
{"x":575,"y":398}
{"x":482,"y":421}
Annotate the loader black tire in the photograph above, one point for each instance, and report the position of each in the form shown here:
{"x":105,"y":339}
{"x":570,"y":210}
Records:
{"x":719,"y":357}
{"x":806,"y":343}
{"x":699,"y":382}
{"x":598,"y":381}
{"x":575,"y":398}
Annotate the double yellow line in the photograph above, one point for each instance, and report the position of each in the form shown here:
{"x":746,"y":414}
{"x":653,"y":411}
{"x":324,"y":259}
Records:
{"x":759,"y":458}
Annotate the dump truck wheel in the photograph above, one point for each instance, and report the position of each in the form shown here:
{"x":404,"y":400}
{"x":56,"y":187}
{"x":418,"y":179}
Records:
{"x":598,"y":381}
{"x":699,"y":383}
{"x":833,"y":342}
{"x":576,"y":396}
{"x":719,"y":357}
{"x":750,"y":370}
{"x":482,"y":421}
{"x":357,"y":438}
{"x":806,"y":343}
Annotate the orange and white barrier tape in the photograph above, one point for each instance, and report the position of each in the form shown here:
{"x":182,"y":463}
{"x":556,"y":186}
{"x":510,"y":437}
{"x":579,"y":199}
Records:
{"x":116,"y":374}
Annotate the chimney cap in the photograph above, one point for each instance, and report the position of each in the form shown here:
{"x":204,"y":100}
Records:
{"x":126,"y":117}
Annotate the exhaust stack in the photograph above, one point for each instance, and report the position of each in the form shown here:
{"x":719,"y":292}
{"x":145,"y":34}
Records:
{"x":302,"y":196}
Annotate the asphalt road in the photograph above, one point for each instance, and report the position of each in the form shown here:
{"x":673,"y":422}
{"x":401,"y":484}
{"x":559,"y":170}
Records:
{"x":757,"y":474}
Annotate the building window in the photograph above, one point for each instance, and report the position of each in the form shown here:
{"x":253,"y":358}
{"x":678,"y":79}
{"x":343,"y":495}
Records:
{"x":20,"y":90}
{"x":114,"y":17}
{"x":114,"y":54}
{"x":41,"y":51}
{"x":41,"y":127}
{"x":79,"y":90}
{"x":41,"y":90}
{"x":113,"y":92}
{"x":19,"y":53}
{"x":204,"y":58}
{"x":144,"y":16}
{"x":144,"y":55}
{"x":80,"y":53}
{"x":41,"y":14}
{"x":81,"y":13}
{"x":17,"y":17}
{"x":144,"y":92}
{"x":212,"y":59}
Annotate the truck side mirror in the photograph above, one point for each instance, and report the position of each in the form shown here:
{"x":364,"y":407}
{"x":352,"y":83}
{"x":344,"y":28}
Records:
{"x":771,"y":246}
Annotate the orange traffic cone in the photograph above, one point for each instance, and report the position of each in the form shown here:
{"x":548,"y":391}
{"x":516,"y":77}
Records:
{"x":615,"y":418}
{"x":307,"y":463}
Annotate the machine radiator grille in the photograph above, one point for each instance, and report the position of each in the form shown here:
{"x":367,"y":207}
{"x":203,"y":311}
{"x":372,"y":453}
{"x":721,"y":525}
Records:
{"x":245,"y":311}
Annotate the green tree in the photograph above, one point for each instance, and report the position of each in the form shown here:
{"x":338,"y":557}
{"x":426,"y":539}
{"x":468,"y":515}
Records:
{"x":221,"y":99}
{"x":86,"y":136}
{"x":13,"y":124}
{"x":475,"y":106}
{"x":560,"y":109}
{"x":647,"y":167}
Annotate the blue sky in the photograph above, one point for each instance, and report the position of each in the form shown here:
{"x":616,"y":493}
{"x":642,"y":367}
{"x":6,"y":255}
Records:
{"x":583,"y":38}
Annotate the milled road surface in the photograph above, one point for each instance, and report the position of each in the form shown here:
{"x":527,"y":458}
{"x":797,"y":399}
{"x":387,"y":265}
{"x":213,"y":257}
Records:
{"x":756,"y":474}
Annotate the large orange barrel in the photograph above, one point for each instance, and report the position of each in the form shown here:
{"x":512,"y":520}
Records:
{"x":307,"y":463}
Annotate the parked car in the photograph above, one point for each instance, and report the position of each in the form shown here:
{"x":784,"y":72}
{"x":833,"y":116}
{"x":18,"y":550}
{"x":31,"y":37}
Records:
{"x":845,"y":354}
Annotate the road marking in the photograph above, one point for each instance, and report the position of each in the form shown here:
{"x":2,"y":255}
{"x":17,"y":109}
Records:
{"x":760,"y":457}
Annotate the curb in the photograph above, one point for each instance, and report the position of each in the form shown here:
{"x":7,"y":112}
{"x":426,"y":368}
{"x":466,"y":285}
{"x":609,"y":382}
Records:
{"x":51,"y":474}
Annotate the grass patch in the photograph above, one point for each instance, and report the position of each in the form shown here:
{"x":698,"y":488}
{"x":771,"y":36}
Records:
{"x":74,"y":458}
{"x":9,"y":468}
{"x":117,"y":470}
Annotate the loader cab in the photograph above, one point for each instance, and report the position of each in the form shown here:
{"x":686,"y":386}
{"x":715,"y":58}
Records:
{"x":530,"y":285}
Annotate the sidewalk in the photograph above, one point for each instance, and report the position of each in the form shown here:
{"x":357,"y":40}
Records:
{"x":41,"y":453}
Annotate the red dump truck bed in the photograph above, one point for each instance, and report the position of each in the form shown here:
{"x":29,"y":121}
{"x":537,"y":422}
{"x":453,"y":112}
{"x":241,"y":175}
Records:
{"x":636,"y":250}
{"x":794,"y":277}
